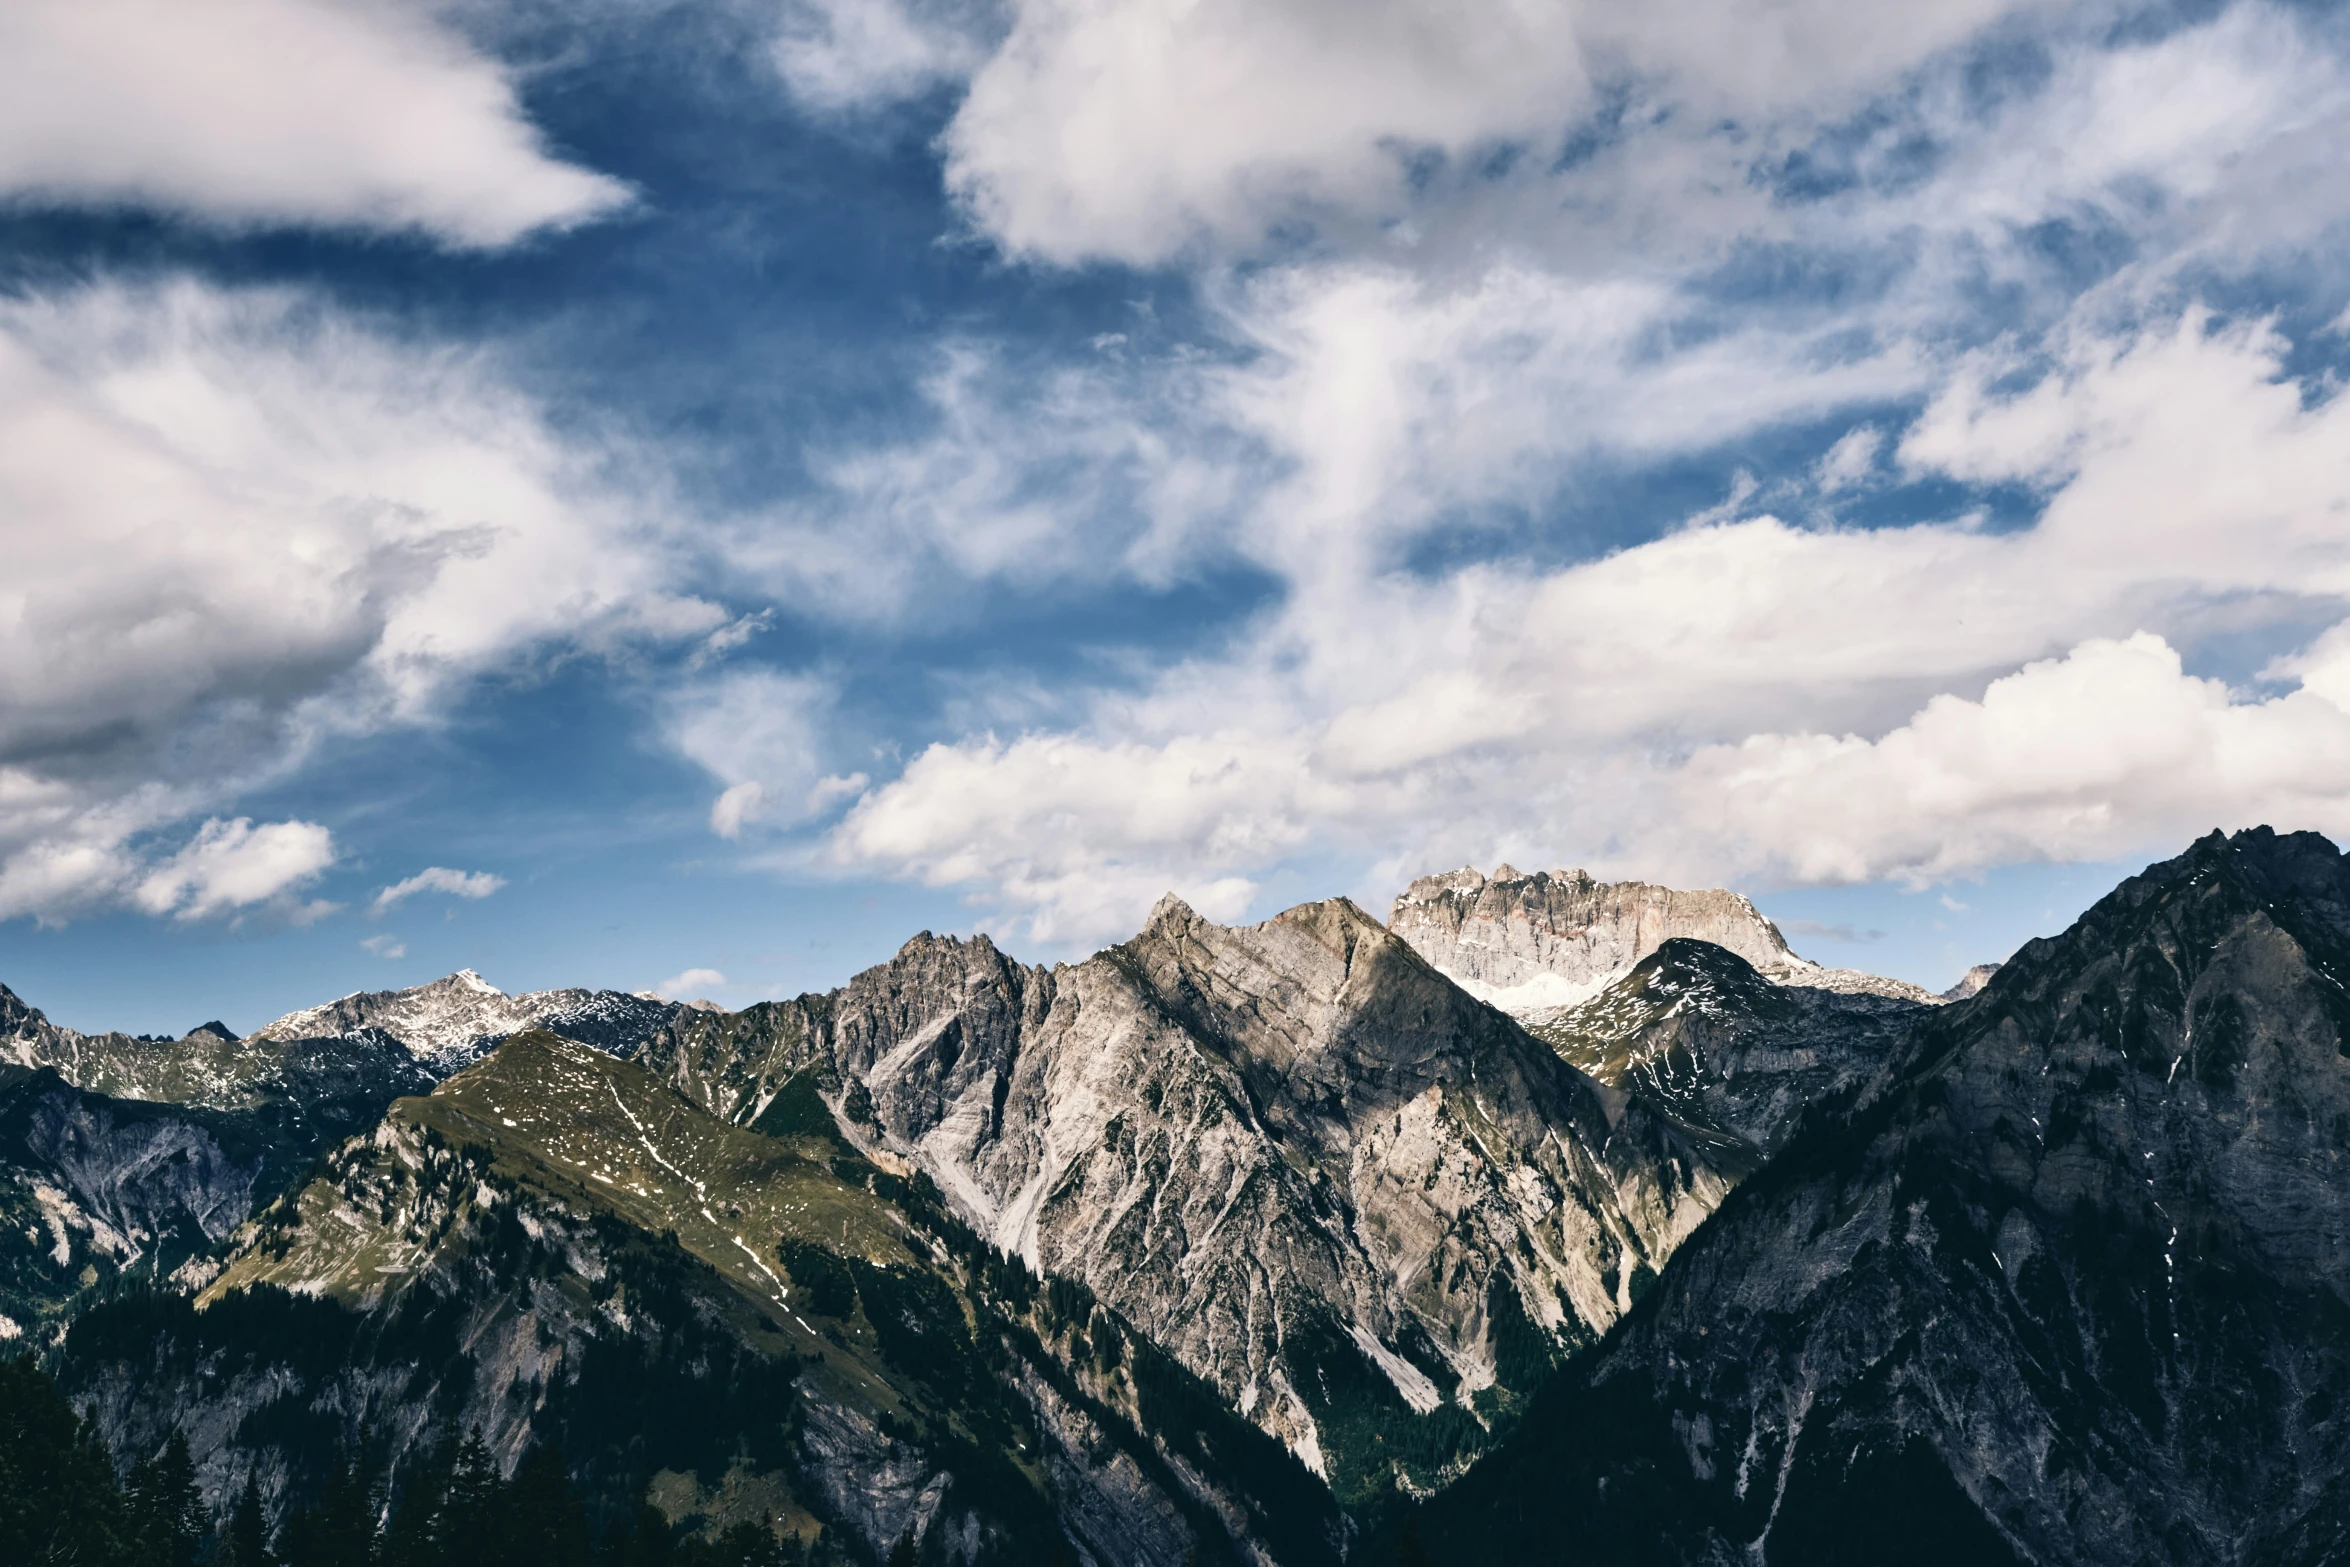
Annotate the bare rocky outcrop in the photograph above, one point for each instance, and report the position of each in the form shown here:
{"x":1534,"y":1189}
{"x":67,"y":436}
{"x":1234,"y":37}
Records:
{"x":1556,"y":936}
{"x":1971,"y":982}
{"x":1293,"y":1154}
{"x":2064,"y":1283}
{"x":1701,"y":1033}
{"x":1532,"y":943}
{"x":451,"y":1021}
{"x":554,"y":1247}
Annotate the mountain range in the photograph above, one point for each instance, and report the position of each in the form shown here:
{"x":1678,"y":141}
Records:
{"x":1549,"y":1219}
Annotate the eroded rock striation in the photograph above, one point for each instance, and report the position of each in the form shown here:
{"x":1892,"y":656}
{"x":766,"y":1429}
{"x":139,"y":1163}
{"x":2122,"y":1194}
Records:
{"x":2064,"y":1282}
{"x":555,"y":1248}
{"x":1556,"y":936}
{"x":1700,"y":1032}
{"x":1368,"y":1208}
{"x":1533,"y":943}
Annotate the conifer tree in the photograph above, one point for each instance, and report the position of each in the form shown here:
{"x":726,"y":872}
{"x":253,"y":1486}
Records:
{"x":643,"y":1540}
{"x":336,"y":1530}
{"x":244,"y":1538}
{"x":59,"y":1501}
{"x":420,"y":1533}
{"x":167,"y":1510}
{"x":543,"y":1517}
{"x":471,"y":1527}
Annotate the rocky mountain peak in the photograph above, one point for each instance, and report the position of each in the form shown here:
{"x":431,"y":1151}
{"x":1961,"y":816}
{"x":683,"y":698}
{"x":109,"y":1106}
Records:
{"x":1971,"y":983}
{"x":16,"y":1017}
{"x":2017,"y":1293}
{"x":1555,"y":938}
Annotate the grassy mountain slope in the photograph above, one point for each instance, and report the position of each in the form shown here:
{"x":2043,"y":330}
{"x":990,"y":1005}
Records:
{"x":554,"y":1246}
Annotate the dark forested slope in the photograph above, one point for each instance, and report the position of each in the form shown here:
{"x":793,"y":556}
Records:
{"x":2067,"y":1282}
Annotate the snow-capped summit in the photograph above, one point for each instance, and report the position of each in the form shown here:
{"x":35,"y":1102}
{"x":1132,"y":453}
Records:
{"x":452,"y":1020}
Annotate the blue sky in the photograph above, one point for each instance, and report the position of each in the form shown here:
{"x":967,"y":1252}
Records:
{"x":722,"y":486}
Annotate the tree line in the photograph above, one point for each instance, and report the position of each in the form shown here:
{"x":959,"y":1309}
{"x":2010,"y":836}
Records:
{"x":64,"y":1500}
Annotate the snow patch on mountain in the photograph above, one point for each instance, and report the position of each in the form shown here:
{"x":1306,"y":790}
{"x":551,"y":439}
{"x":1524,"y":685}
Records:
{"x":452,"y":1021}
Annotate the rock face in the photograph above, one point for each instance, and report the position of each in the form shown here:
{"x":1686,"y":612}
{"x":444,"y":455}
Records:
{"x":121,"y":1155}
{"x":92,"y":1188}
{"x":1555,"y":937}
{"x":1698,"y":1031}
{"x":1531,"y":944}
{"x":555,"y":1247}
{"x":1366,"y":1207}
{"x":1971,"y":982}
{"x":452,"y":1021}
{"x":2065,"y":1283}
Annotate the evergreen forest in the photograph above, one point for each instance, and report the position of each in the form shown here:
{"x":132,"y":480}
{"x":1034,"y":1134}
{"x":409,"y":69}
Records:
{"x":65,"y":1499}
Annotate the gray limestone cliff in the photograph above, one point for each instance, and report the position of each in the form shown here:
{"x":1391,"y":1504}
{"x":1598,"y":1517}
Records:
{"x":1528,"y":943}
{"x":1347,"y":1194}
{"x":2063,"y":1282}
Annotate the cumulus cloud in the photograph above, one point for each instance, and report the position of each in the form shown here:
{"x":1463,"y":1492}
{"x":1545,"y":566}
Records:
{"x":1082,"y":830}
{"x":277,"y":111}
{"x":384,"y":946}
{"x":441,"y":879}
{"x":235,"y":865}
{"x":1133,"y":131}
{"x":238,"y":523}
{"x":683,"y":987}
{"x":2108,"y":751}
{"x":1743,"y":696}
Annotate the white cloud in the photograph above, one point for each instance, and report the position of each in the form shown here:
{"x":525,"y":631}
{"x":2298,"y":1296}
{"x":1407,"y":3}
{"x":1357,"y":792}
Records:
{"x":1083,"y":831}
{"x":238,"y":523}
{"x":1134,"y":129}
{"x":736,"y":806}
{"x":374,"y":116}
{"x":1091,"y":471}
{"x":441,"y":879}
{"x":385,"y":946}
{"x":1850,"y":460}
{"x":844,"y":55}
{"x":760,"y":732}
{"x":1741,"y":697}
{"x":2111,"y":750}
{"x":235,"y":865}
{"x":683,"y":987}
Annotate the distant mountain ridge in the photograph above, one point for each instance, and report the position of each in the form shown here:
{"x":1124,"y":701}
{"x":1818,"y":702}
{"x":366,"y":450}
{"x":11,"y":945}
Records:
{"x":1698,"y":1030}
{"x":449,"y":1022}
{"x":1530,"y":943}
{"x":554,"y":1247}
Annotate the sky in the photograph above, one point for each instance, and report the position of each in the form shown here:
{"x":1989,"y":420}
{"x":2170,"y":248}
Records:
{"x":683,"y":494}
